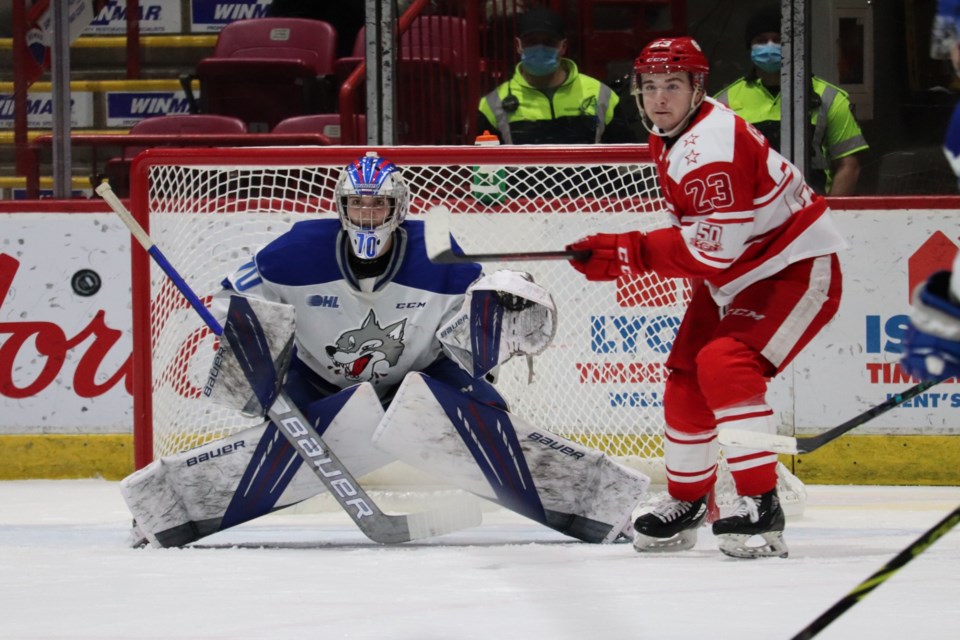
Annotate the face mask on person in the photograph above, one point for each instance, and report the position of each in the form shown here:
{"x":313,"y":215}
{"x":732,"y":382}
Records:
{"x":540,"y":60}
{"x":766,"y":56}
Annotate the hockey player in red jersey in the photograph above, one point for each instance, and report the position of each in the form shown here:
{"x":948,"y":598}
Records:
{"x":761,"y":247}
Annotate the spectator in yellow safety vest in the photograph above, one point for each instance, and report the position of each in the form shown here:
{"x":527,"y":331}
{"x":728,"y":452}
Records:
{"x":548,"y":100}
{"x":836,"y":141}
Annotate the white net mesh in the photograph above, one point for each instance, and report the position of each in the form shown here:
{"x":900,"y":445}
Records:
{"x":601,"y":380}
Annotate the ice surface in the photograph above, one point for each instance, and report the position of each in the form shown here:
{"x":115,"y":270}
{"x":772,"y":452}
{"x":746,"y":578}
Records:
{"x":67,"y":573}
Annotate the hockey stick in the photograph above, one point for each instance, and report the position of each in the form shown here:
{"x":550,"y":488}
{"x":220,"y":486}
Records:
{"x":918,"y":546}
{"x":796,"y":446}
{"x":440,"y":247}
{"x":301,"y":434}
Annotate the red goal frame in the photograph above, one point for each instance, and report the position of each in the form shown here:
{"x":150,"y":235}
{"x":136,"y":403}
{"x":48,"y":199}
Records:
{"x":303,"y":156}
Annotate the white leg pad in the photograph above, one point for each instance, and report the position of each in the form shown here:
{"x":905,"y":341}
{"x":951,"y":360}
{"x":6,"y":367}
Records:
{"x":498,"y":456}
{"x":186,"y":496}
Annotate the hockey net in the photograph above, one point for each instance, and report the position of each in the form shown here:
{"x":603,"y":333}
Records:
{"x":599,"y":383}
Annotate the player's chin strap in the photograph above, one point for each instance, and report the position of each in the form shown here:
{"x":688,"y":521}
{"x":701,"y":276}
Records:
{"x":503,"y":314}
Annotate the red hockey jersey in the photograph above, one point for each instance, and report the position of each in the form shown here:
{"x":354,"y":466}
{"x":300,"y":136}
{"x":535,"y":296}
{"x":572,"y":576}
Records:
{"x":740,"y":211}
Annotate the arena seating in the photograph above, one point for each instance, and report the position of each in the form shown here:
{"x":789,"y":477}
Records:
{"x":266,"y":69}
{"x":117,"y":170}
{"x":437,"y":81}
{"x":326,"y":123}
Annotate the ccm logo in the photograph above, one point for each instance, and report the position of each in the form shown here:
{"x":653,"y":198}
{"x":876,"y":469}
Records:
{"x":623,"y":257}
{"x":310,"y":448}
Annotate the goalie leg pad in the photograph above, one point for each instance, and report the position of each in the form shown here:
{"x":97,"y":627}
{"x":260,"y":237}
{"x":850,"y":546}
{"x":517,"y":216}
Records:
{"x":156,"y":506}
{"x":186,"y":496}
{"x":493,"y":454}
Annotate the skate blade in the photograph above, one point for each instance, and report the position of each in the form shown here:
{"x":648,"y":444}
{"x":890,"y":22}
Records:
{"x":682,"y":541}
{"x":735,"y":545}
{"x":627,"y":532}
{"x":136,"y":538}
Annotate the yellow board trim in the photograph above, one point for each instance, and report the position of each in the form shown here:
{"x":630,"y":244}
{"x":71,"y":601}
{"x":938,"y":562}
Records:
{"x":118,"y":42}
{"x":883,"y":459}
{"x":94,"y":86}
{"x":855,"y":460}
{"x":6,"y":137}
{"x":56,"y":456}
{"x":46,"y":182}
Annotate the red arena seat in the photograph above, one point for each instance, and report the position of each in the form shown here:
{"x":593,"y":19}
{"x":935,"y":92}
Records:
{"x":326,"y":123}
{"x":117,"y":170}
{"x":267,"y":69}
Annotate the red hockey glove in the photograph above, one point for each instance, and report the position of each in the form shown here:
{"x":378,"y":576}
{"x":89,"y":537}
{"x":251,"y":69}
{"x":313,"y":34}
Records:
{"x":611,"y":256}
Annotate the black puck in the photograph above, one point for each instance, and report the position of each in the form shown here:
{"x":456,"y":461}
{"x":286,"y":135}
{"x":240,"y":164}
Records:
{"x":85,"y":282}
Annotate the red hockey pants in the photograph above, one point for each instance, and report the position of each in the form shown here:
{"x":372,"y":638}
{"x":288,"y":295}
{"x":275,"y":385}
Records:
{"x":720,"y":364}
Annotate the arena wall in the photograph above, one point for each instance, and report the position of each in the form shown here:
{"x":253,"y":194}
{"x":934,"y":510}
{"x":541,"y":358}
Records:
{"x":65,"y":344}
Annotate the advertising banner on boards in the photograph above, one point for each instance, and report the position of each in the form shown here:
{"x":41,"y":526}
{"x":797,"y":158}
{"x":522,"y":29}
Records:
{"x":65,"y":337}
{"x":65,"y":328}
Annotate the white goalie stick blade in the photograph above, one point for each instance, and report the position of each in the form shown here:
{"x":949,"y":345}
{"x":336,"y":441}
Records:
{"x":436,"y":234}
{"x":758,"y":441}
{"x":440,"y":247}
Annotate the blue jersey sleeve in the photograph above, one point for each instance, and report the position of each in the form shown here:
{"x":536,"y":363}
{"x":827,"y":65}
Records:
{"x":305,"y":255}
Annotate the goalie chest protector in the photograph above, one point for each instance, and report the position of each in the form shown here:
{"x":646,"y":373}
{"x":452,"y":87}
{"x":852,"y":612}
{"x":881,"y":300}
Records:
{"x":350,"y":331}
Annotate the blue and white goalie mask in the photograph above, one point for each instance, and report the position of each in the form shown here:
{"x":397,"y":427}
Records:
{"x":372,"y":201}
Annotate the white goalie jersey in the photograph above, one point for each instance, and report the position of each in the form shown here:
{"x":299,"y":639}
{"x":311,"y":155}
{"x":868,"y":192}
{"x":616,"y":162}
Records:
{"x":378,"y":329}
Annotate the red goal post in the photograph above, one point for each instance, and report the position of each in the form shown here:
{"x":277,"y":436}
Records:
{"x":600,"y":382}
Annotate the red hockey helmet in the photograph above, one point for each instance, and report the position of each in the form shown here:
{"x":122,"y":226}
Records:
{"x":669,"y":55}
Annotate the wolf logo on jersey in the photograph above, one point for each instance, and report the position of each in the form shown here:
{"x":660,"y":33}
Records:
{"x":367,"y":353}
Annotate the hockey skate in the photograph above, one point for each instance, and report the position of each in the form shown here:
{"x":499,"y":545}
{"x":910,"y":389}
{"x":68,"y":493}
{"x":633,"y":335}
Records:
{"x":753,"y":516}
{"x":670,"y":526}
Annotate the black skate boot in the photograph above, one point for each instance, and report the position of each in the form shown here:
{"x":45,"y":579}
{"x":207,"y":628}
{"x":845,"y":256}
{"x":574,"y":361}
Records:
{"x":670,"y":526}
{"x":753,"y":516}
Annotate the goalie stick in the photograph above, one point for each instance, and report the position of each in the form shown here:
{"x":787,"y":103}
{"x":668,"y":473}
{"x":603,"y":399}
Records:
{"x":859,"y":592}
{"x":440,"y":247}
{"x":300,"y":433}
{"x":797,"y":446}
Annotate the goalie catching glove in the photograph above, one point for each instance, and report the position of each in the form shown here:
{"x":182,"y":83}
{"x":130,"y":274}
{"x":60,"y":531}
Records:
{"x":503,"y":314}
{"x":931,"y":345}
{"x":612,"y":255}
